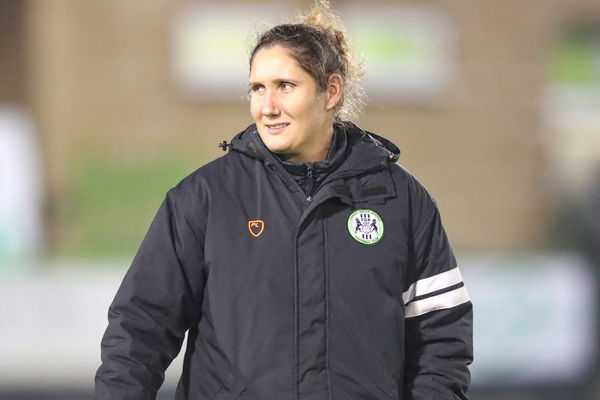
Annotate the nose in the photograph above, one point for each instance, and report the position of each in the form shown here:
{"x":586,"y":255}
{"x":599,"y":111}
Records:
{"x":270,"y":105}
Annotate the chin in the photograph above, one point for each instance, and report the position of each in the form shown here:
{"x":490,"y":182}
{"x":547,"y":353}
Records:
{"x":280,"y":150}
{"x":274,"y":145}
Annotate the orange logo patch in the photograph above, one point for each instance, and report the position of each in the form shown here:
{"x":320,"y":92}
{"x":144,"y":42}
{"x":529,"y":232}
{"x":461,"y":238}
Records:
{"x":256,"y":227}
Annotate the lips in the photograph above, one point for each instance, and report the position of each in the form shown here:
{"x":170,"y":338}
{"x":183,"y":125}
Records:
{"x":276,"y":128}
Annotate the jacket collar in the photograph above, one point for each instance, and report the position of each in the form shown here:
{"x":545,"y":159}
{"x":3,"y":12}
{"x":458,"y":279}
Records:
{"x":362,"y":177}
{"x":335,"y":156}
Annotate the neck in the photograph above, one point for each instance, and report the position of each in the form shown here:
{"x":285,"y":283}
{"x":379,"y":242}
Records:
{"x":319,"y":154}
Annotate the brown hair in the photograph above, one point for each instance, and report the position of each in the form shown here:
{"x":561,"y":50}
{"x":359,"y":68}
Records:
{"x":320,"y":46}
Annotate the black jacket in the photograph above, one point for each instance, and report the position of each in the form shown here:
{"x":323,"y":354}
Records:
{"x":351,"y":294}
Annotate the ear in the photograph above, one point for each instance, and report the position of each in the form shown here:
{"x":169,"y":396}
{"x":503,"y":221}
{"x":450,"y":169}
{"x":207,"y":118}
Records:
{"x":335,"y":88}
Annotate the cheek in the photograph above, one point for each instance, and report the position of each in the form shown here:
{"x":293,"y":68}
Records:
{"x":312,"y":105}
{"x":300,"y":108}
{"x":310,"y":114}
{"x":255,"y":109}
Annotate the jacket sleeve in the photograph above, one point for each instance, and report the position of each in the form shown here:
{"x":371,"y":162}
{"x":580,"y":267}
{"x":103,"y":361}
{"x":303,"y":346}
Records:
{"x":158,"y":300}
{"x":438,"y":311}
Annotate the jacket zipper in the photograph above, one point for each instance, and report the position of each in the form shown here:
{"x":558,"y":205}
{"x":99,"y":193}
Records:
{"x":309,"y":175}
{"x":309,"y":182}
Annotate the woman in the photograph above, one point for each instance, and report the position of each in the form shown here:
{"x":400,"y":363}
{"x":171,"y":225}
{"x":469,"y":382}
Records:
{"x":305,"y":263}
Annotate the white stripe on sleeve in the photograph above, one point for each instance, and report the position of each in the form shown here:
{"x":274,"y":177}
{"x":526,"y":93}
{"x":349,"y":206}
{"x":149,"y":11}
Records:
{"x":442,"y":301}
{"x":431,"y":284}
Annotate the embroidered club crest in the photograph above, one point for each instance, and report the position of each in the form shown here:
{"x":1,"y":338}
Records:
{"x":365,"y":226}
{"x":256,"y":227}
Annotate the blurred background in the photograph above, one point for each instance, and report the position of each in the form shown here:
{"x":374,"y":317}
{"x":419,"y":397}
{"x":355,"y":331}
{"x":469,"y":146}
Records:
{"x":106,"y":104}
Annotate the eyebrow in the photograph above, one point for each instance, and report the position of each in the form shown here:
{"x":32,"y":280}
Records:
{"x":294,"y":81}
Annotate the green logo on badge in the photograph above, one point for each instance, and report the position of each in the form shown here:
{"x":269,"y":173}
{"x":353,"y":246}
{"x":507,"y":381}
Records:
{"x":366,"y":226}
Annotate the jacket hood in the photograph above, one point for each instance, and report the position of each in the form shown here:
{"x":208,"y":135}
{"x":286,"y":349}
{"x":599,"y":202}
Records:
{"x":364,"y":148}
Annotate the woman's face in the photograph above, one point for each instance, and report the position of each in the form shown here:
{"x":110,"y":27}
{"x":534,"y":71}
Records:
{"x":294,"y":118}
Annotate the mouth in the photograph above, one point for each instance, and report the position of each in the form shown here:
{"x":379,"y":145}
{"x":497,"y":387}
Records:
{"x":276,"y":128}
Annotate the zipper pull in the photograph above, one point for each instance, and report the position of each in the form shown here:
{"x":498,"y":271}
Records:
{"x":309,"y":180}
{"x":309,"y":199}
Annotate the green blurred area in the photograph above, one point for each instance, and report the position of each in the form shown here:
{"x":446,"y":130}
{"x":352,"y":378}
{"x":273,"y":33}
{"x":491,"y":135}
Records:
{"x":111,"y":204}
{"x":386,"y":45}
{"x":574,"y":58}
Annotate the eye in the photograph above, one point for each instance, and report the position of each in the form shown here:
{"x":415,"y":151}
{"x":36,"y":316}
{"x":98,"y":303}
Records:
{"x":286,"y":87}
{"x":256,"y":89}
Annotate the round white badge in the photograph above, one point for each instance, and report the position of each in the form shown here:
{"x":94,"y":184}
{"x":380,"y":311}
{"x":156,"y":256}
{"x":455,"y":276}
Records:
{"x":366,"y":226}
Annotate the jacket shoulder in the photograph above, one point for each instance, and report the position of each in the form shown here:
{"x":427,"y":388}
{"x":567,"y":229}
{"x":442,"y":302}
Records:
{"x":213,"y":172}
{"x":404,"y":175}
{"x":408,"y":183}
{"x":193,"y":196}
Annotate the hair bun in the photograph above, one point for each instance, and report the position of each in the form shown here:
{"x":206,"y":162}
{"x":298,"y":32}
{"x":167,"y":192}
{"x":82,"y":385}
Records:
{"x":322,"y":15}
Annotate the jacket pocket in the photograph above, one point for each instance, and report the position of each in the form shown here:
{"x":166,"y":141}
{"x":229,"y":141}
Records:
{"x":230,"y":394}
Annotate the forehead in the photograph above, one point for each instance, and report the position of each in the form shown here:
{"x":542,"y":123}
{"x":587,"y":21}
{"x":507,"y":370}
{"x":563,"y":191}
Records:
{"x":274,"y":63}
